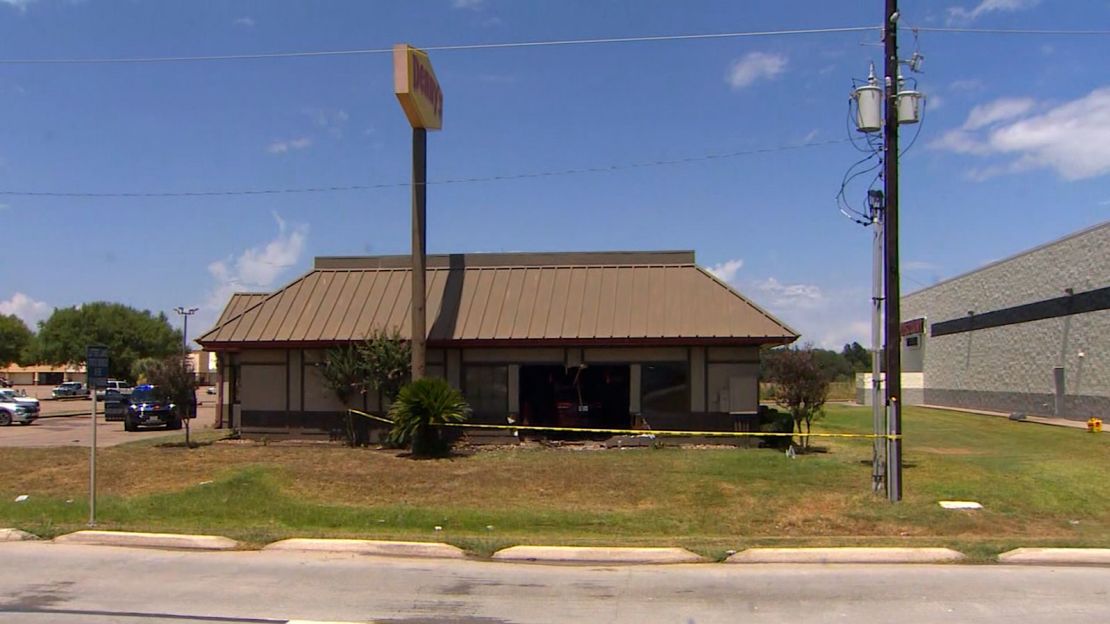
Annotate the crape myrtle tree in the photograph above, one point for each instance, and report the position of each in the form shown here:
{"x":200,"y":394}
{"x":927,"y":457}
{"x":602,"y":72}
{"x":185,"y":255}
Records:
{"x":129,"y":334}
{"x":800,"y":385}
{"x":176,"y":383}
{"x":381,"y":363}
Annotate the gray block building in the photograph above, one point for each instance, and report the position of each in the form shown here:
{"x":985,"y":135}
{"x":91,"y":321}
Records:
{"x":1030,"y":333}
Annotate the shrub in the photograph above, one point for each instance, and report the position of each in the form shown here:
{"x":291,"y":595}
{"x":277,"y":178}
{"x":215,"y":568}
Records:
{"x":419,"y":407}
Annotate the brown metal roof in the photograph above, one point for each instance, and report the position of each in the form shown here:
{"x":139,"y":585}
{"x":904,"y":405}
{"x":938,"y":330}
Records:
{"x":238,"y":304}
{"x":642,"y":298}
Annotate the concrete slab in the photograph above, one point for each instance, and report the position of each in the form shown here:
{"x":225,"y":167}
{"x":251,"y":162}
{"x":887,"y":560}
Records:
{"x":845,"y":555}
{"x":15,"y":535}
{"x":1057,"y":556}
{"x":148,"y":540}
{"x":370,"y":547}
{"x":589,"y":554}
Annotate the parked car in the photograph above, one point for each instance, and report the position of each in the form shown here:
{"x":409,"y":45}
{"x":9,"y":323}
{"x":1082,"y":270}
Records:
{"x":147,"y":407}
{"x":17,"y":408}
{"x":68,"y":389}
{"x":114,"y":386}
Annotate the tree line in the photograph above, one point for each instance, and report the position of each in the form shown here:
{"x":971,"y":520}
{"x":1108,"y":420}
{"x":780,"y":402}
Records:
{"x":832,"y":365}
{"x":130,"y":334}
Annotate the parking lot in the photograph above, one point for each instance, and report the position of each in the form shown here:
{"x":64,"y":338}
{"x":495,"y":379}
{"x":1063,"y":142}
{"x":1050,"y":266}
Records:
{"x":66,"y":423}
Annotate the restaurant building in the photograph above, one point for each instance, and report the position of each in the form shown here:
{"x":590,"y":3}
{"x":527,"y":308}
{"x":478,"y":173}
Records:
{"x":605,"y":339}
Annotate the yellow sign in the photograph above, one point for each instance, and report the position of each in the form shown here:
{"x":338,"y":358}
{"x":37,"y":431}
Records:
{"x":416,"y":87}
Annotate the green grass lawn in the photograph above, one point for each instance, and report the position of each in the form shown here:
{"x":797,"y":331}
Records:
{"x":1040,"y":485}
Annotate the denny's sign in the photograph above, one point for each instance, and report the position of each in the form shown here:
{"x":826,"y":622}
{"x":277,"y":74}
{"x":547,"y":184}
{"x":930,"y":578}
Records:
{"x":416,"y":87}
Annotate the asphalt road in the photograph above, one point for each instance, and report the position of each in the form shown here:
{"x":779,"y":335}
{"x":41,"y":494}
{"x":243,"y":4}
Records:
{"x":75,"y":430}
{"x":67,"y":584}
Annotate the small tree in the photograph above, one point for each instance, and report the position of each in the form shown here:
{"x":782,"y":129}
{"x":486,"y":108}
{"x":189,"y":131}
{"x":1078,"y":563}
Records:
{"x":800,"y":386}
{"x":175,"y":382}
{"x":382,"y":363}
{"x":419,"y":407}
{"x":387,"y":362}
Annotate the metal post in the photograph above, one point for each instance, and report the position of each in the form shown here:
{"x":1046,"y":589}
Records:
{"x":878,"y":450}
{"x":893,"y":341}
{"x":185,"y":314}
{"x":419,"y":249}
{"x":92,"y":458}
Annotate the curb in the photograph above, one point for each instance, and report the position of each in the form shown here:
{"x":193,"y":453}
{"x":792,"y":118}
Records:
{"x":846,"y":555}
{"x":15,"y":535}
{"x":1057,"y":556}
{"x":148,"y":540}
{"x":370,"y":547}
{"x":580,"y":554}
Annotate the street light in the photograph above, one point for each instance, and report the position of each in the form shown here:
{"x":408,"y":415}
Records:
{"x":185,"y":313}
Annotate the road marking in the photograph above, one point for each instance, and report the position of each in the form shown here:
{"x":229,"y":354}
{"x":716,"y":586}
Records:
{"x":323,"y":622}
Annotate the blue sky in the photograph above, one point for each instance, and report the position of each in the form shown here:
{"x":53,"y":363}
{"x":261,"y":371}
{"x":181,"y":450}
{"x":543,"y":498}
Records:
{"x":1014,"y":150}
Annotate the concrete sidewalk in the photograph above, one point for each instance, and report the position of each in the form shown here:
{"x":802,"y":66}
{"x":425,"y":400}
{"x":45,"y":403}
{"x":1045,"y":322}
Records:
{"x":1040,"y":420}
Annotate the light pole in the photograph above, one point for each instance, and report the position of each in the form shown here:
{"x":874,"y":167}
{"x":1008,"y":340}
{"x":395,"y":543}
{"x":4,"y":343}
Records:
{"x":185,"y":313}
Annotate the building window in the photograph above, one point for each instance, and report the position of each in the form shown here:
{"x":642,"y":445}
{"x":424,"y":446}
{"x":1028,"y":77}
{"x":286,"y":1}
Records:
{"x":665,"y":387}
{"x":487,"y":390}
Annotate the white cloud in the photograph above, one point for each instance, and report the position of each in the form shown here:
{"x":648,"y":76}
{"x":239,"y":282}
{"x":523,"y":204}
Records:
{"x":1072,"y":138}
{"x":754,"y":65}
{"x":473,"y":5}
{"x":255,"y":269}
{"x":790,"y":295}
{"x":966,"y":85}
{"x":19,"y":5}
{"x":827,"y":318}
{"x":334,"y":121}
{"x":727,"y":270}
{"x":245,"y":21}
{"x":281,"y":147}
{"x":26,"y":308}
{"x":962,"y":15}
{"x":1001,"y":109}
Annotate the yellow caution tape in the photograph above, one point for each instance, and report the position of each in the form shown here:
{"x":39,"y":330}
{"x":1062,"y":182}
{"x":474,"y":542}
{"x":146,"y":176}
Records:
{"x":370,"y":416}
{"x":649,"y":432}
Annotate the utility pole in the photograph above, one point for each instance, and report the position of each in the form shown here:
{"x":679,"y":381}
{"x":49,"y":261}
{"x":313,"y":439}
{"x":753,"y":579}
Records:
{"x":878,"y":421}
{"x":185,"y":314}
{"x":893,"y":342}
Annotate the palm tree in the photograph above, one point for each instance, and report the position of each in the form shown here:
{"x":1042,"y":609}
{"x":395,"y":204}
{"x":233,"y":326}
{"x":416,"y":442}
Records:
{"x":419,"y":407}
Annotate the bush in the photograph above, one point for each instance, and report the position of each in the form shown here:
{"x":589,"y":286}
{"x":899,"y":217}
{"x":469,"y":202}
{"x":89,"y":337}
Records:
{"x":419,"y":407}
{"x":775,"y":421}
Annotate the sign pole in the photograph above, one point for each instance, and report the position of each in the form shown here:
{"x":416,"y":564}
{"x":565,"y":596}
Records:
{"x":418,"y":92}
{"x":92,"y":459}
{"x":419,"y":250}
{"x":96,"y":376}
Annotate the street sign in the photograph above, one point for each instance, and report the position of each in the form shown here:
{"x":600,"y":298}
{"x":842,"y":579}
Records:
{"x":96,"y":366}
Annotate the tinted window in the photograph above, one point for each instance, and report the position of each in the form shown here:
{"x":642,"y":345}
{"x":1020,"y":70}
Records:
{"x":144,"y":395}
{"x":665,"y":387}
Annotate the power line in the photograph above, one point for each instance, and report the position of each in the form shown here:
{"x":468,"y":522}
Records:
{"x":368,"y":187}
{"x":475,"y":46}
{"x":1011,"y":31}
